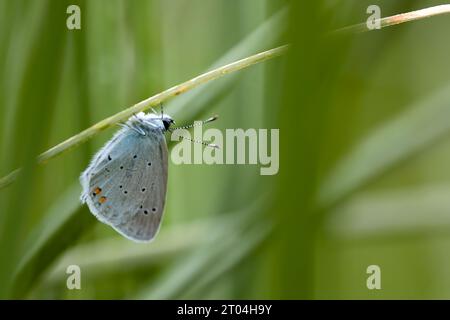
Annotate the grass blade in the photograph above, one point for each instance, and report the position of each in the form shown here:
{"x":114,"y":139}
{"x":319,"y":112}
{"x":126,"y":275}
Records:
{"x":63,"y":225}
{"x":151,"y":102}
{"x":419,"y":127}
{"x":229,"y":257}
{"x":176,"y":280}
{"x":264,"y":36}
{"x":110,"y":255}
{"x":381,"y":214}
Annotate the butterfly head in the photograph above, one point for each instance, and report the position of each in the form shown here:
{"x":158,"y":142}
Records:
{"x":167,"y":121}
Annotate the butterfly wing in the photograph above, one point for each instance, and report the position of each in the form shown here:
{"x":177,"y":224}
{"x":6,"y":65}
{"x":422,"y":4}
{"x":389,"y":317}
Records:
{"x":146,"y":220}
{"x":125,"y":185}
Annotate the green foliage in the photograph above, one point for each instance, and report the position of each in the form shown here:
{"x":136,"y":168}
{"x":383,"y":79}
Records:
{"x":364,"y":152}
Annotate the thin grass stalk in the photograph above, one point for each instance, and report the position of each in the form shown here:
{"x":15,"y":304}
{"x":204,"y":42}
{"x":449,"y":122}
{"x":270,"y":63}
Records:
{"x":147,"y":104}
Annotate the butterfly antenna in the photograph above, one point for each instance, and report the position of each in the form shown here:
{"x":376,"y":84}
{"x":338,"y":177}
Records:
{"x":211,"y":145}
{"x":162,"y":110}
{"x":195,"y":124}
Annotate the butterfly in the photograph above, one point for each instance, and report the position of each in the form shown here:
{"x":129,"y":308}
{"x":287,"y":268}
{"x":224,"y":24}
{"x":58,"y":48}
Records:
{"x":125,"y":184}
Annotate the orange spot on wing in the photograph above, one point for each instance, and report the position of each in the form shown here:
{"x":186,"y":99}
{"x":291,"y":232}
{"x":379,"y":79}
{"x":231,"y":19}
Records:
{"x":102,"y":200}
{"x":97,"y":191}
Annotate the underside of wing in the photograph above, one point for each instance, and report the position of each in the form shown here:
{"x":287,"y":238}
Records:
{"x":125,"y":185}
{"x":145,"y":222}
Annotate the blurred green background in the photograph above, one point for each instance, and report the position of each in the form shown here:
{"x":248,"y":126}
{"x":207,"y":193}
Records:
{"x":364,"y":124}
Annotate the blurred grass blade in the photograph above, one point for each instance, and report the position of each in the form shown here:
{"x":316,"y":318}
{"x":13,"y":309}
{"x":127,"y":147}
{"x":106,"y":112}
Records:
{"x":234,"y":252}
{"x":397,"y":212}
{"x":176,"y":280}
{"x":9,"y":178}
{"x":266,"y":35}
{"x":109,"y":255}
{"x":32,"y":110}
{"x":416,"y":129}
{"x":63,"y":224}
